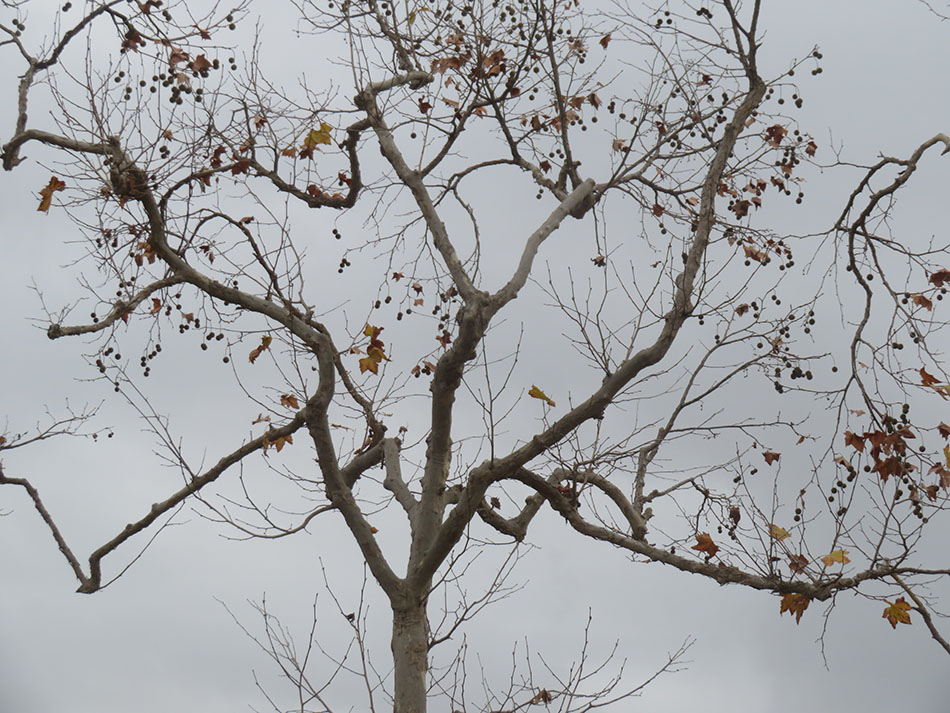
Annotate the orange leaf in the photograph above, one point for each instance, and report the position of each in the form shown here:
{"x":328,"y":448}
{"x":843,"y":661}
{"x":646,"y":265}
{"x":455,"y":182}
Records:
{"x":897,"y":613}
{"x":47,"y":192}
{"x":536,"y":393}
{"x":705,"y":544}
{"x":839,"y":556}
{"x":283,"y":441}
{"x":289,"y":400}
{"x":794,"y":604}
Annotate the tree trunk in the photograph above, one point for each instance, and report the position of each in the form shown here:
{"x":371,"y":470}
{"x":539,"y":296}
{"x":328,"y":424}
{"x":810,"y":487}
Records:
{"x":410,"y":645}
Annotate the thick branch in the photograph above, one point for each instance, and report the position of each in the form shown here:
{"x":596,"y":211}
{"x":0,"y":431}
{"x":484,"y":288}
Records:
{"x":366,"y":100}
{"x":594,"y":406}
{"x":566,"y":207}
{"x":10,"y":150}
{"x":394,"y":482}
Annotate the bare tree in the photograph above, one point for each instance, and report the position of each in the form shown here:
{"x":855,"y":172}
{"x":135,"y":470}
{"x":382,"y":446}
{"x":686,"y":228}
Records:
{"x":657,"y":153}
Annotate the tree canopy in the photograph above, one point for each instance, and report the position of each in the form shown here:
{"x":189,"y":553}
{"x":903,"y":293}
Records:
{"x":474,"y":266}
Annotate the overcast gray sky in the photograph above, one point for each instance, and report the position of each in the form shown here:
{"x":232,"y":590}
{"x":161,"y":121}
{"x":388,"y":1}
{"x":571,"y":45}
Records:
{"x":160,"y":640}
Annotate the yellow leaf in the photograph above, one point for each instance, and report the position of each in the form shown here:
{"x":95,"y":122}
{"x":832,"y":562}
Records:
{"x":375,"y":352}
{"x":315,"y":137}
{"x":840,"y":556}
{"x":778,"y":533}
{"x":946,"y":454}
{"x":369,"y":363}
{"x":897,"y":613}
{"x":373,"y":529}
{"x":47,"y":193}
{"x":536,"y":393}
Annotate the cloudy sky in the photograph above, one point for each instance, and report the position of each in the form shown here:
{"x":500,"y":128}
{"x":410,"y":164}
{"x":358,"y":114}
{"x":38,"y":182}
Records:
{"x":161,"y":638}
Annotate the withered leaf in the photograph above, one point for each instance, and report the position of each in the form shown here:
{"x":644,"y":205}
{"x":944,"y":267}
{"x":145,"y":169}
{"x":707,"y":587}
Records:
{"x":47,"y":193}
{"x":797,"y":563}
{"x":258,"y":350}
{"x":795,"y":605}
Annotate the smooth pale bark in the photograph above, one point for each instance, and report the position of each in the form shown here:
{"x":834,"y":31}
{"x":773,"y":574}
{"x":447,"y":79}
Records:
{"x":410,"y":646}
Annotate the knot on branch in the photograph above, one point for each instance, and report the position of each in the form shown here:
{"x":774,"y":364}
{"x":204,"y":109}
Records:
{"x":11,"y":156}
{"x":128,"y":182}
{"x":581,"y":209}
